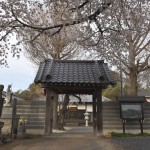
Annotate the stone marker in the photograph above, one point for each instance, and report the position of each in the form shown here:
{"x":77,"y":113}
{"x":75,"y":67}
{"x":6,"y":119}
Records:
{"x":8,"y":96}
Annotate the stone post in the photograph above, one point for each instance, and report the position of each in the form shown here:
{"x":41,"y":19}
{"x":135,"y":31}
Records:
{"x":8,"y":113}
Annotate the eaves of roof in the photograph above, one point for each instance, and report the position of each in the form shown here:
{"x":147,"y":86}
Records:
{"x":74,"y":72}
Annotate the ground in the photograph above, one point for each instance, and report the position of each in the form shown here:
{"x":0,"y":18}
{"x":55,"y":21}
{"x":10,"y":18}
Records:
{"x":77,"y":138}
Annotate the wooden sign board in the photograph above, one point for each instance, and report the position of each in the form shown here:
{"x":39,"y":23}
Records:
{"x":131,"y":111}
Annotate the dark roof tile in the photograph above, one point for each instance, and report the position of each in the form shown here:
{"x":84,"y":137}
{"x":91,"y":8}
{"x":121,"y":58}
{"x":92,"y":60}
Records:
{"x":71,"y":71}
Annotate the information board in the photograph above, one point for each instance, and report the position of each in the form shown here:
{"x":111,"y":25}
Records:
{"x":131,"y":111}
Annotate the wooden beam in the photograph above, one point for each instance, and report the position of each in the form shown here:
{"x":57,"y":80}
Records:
{"x":49,"y":112}
{"x":99,"y":113}
{"x":94,"y":114}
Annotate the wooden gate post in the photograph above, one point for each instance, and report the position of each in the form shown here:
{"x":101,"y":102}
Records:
{"x":99,"y":113}
{"x":49,"y":112}
{"x":94,"y":114}
{"x":55,"y":115}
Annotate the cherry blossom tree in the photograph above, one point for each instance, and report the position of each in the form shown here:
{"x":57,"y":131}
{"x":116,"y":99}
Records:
{"x":21,"y":20}
{"x":118,"y":30}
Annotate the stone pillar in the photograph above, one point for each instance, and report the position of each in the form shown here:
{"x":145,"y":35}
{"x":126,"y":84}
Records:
{"x":49,"y":112}
{"x":9,"y":118}
{"x":99,"y":114}
{"x":94,"y":114}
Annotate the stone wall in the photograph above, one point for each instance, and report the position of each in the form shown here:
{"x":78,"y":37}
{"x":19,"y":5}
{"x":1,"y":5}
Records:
{"x":34,"y":112}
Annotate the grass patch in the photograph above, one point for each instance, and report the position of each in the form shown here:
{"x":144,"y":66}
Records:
{"x":114,"y":134}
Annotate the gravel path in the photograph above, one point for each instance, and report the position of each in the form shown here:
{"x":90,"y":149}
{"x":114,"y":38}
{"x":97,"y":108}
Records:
{"x":77,"y":138}
{"x":134,"y":143}
{"x":61,"y":143}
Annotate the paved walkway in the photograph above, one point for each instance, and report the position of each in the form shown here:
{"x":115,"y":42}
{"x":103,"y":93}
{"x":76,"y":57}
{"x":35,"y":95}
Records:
{"x":77,"y":138}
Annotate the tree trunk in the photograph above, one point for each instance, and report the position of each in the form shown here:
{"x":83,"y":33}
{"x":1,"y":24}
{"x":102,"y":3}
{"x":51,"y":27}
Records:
{"x":55,"y":114}
{"x":133,"y":88}
{"x":63,"y":111}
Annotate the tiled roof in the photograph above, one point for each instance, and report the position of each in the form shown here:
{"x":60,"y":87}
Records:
{"x":74,"y":72}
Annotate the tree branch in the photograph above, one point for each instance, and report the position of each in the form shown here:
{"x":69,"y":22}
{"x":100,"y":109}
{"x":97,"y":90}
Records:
{"x":78,"y":97}
{"x":57,"y":31}
{"x":98,"y":26}
{"x":66,"y":23}
{"x":124,"y":63}
{"x":144,"y":65}
{"x":40,"y":32}
{"x":142,"y":41}
{"x":3,"y":37}
{"x":80,"y":6}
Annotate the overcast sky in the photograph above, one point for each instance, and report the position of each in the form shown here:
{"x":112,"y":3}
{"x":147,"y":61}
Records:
{"x":20,"y":74}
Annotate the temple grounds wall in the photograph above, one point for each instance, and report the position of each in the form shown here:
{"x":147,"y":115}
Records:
{"x":34,"y":112}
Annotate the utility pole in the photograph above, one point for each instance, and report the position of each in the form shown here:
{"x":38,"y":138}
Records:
{"x":121,"y":80}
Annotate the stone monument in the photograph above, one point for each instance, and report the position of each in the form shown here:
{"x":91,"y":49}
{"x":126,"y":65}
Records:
{"x":8,"y":96}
